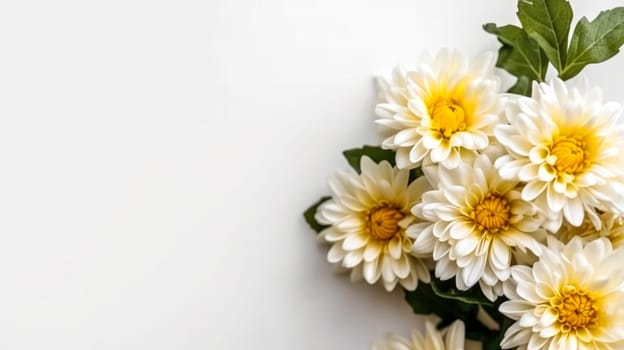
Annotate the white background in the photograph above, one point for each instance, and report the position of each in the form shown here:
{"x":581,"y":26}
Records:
{"x":155,"y":158}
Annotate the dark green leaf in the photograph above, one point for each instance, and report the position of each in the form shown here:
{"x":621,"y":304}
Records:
{"x":447,"y":290}
{"x":548,"y":22}
{"x":492,"y":310}
{"x":310,"y":213}
{"x":595,"y":41}
{"x":523,"y":86}
{"x":520,"y":55}
{"x":424,"y":301}
{"x":415,"y":174}
{"x":377,"y":154}
{"x":493,"y":342}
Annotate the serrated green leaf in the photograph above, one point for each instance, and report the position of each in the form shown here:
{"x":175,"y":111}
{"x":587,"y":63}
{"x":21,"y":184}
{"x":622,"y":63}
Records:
{"x":520,"y":55}
{"x":595,"y":41}
{"x":377,"y":154}
{"x":310,"y":214}
{"x":447,"y":290}
{"x":523,"y":86}
{"x":548,"y":23}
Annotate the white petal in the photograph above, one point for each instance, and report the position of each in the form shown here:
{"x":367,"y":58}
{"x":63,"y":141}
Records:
{"x":533,"y":189}
{"x":471,"y":274}
{"x":401,"y":266}
{"x":573,"y":211}
{"x":335,"y":254}
{"x":501,"y":256}
{"x":372,"y":271}
{"x":355,"y":241}
{"x":372,"y":251}
{"x":440,"y":153}
{"x":406,"y":137}
{"x":352,"y":259}
{"x":455,"y":336}
{"x":556,"y":200}
{"x":466,"y":246}
{"x":395,"y":247}
{"x":387,"y":274}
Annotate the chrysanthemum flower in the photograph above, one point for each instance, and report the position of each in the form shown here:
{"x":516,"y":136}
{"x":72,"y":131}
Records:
{"x":475,"y":220}
{"x":452,"y":338}
{"x":612,"y":228}
{"x":572,"y":298}
{"x":442,"y":110}
{"x":567,"y":146}
{"x":368,"y":215}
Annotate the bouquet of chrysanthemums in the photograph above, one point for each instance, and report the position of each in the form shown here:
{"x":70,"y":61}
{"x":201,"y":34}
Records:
{"x":501,"y":214}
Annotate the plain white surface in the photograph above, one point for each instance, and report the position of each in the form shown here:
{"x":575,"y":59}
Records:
{"x":156,"y":157}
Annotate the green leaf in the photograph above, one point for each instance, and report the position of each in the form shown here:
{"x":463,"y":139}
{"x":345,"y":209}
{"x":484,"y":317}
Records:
{"x":548,"y":23}
{"x":493,"y":342}
{"x":523,"y":86}
{"x":377,"y":154}
{"x":424,"y":300}
{"x":492,"y":310}
{"x":447,"y":290}
{"x":310,"y":213}
{"x":595,"y":41}
{"x":520,"y":55}
{"x":415,"y":174}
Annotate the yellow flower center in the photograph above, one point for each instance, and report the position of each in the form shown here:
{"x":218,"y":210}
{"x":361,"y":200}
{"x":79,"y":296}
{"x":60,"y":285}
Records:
{"x":576,"y":310}
{"x":571,"y":155}
{"x":448,"y":117}
{"x":492,"y":213}
{"x":383,"y":222}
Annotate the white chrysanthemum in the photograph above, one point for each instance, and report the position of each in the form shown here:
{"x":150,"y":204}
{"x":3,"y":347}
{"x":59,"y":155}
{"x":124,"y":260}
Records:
{"x":443,"y":110}
{"x":567,"y":146}
{"x":572,"y":298}
{"x":368,"y":215}
{"x":476,"y":220}
{"x":612,"y":228}
{"x":452,"y":338}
